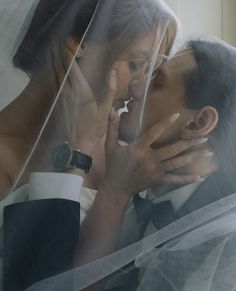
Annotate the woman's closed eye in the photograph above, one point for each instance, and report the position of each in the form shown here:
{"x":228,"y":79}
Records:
{"x":134,"y":66}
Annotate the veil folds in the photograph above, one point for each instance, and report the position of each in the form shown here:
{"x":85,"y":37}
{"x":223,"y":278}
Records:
{"x":77,"y":74}
{"x":54,"y":46}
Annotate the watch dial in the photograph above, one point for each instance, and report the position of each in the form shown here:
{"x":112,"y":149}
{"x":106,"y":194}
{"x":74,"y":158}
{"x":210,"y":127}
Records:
{"x":60,"y":156}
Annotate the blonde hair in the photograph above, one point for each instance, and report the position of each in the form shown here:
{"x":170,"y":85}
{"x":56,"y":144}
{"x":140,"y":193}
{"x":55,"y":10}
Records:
{"x":167,"y":43}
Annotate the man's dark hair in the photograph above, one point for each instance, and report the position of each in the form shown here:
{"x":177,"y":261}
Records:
{"x":213,"y":83}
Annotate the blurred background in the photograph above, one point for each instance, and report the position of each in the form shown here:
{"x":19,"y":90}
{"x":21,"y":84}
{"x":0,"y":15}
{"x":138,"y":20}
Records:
{"x":214,"y":17}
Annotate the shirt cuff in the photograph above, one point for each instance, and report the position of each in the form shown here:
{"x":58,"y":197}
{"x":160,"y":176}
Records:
{"x":55,"y":186}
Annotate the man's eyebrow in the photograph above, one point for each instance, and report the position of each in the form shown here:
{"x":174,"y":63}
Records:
{"x":160,"y":73}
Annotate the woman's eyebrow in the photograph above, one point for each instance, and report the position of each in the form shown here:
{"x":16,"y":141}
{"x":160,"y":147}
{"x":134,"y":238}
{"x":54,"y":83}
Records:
{"x":140,"y":54}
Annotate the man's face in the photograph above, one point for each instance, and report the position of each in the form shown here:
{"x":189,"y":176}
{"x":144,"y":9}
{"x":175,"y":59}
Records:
{"x":165,"y":97}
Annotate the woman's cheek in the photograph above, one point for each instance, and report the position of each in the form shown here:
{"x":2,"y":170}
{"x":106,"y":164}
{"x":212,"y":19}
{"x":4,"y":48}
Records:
{"x":123,"y":76}
{"x":122,"y":83}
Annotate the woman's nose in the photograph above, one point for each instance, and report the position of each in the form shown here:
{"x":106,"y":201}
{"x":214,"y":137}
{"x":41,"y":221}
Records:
{"x":137,"y":89}
{"x":141,"y":73}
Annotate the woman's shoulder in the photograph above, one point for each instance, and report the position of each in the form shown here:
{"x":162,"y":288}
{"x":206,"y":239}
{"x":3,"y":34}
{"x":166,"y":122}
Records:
{"x":11,"y":156}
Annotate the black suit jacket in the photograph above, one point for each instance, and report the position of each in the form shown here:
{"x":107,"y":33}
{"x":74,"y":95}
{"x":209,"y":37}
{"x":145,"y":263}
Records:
{"x":215,"y":187}
{"x":39,"y":241}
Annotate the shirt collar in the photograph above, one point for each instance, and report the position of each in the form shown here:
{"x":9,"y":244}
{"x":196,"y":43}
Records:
{"x":177,"y":197}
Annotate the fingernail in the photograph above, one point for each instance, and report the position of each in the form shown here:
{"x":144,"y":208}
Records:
{"x":200,"y":179}
{"x":174,"y":117}
{"x":207,"y":154}
{"x":202,"y":140}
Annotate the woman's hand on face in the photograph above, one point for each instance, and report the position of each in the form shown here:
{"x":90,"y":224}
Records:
{"x":136,"y":167}
{"x":86,"y":118}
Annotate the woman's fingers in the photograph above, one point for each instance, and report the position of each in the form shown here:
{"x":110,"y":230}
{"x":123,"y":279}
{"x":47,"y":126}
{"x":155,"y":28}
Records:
{"x":156,"y":131}
{"x":184,"y":160}
{"x":181,"y":179}
{"x":112,"y":132}
{"x":107,"y":100}
{"x":177,"y":148}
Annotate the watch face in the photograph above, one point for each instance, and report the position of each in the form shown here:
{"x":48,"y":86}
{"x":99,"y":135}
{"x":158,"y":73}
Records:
{"x":60,"y":156}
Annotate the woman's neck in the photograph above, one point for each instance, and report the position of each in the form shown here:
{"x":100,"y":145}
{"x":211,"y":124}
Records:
{"x":24,"y":116}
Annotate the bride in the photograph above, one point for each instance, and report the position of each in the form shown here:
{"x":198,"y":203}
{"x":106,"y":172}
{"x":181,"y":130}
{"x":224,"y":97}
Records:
{"x":69,"y":52}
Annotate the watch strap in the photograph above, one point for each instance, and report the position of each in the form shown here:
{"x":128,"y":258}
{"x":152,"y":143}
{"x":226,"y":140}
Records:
{"x":81,"y":161}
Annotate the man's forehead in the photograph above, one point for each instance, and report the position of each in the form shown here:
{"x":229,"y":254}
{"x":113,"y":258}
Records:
{"x":181,"y":61}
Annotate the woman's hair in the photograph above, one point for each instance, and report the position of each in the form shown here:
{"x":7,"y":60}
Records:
{"x":120,"y":21}
{"x":166,"y":45}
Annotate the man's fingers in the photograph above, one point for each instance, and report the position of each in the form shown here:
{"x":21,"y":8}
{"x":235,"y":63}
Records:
{"x":107,"y":100}
{"x":156,"y":131}
{"x":177,"y":148}
{"x":184,"y":160}
{"x":181,"y":180}
{"x":112,"y":132}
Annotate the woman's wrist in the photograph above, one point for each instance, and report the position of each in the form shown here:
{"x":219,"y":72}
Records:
{"x":114,"y":195}
{"x":85,"y":148}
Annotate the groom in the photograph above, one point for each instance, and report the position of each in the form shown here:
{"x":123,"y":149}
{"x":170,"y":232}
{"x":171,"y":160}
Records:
{"x":199,"y":82}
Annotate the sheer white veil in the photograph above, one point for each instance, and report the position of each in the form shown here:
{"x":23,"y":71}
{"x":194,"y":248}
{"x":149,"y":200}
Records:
{"x":197,"y":251}
{"x":213,"y":223}
{"x":12,"y":32}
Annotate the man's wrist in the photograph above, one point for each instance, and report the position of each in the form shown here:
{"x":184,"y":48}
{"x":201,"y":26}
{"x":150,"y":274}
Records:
{"x":74,"y":171}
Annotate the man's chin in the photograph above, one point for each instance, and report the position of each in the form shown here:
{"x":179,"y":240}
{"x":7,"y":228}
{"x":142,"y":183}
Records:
{"x":124,"y":136}
{"x":129,"y":127}
{"x":127,"y":134}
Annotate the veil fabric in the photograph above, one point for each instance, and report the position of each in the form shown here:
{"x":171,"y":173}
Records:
{"x":196,"y":252}
{"x":205,"y":232}
{"x":96,"y":61}
{"x":12,"y":32}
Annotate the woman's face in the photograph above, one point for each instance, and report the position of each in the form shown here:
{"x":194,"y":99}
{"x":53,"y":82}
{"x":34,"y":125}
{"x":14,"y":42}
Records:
{"x":131,"y":66}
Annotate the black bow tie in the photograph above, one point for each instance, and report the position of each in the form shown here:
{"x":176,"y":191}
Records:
{"x":161,"y":214}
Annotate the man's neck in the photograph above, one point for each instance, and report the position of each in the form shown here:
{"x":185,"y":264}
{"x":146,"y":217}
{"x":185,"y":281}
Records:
{"x":202,"y":167}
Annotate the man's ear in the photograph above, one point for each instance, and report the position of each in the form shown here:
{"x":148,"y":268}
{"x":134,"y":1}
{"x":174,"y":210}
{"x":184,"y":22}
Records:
{"x":72,"y":45}
{"x":202,"y":123}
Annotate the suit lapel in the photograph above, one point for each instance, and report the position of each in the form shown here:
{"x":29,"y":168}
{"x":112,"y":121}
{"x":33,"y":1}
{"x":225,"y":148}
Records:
{"x":211,"y":190}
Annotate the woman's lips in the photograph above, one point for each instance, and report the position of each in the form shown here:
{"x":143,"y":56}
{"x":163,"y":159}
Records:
{"x":128,"y":99}
{"x":118,"y":104}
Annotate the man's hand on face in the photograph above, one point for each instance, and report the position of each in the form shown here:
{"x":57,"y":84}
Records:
{"x":136,"y":167}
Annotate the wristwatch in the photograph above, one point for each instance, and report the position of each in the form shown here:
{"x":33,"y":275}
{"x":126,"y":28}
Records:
{"x":65,"y":157}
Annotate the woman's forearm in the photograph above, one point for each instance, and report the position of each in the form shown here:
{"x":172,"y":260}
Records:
{"x":100,"y":230}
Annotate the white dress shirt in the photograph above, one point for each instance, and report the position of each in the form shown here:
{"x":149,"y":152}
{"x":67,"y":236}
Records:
{"x":130,"y":232}
{"x":45,"y":186}
{"x":177,"y":197}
